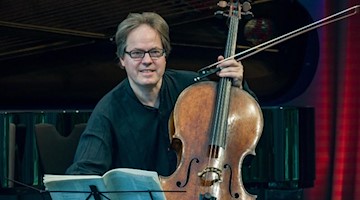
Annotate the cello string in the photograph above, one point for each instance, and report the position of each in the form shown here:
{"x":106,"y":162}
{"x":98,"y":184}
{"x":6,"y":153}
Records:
{"x":322,"y":22}
{"x":218,"y":137}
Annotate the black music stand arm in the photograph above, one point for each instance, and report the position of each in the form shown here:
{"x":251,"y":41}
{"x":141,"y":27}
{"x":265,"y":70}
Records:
{"x":151,"y":196}
{"x":95,"y":192}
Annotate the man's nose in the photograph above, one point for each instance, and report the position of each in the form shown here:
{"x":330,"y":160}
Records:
{"x":147,"y":57}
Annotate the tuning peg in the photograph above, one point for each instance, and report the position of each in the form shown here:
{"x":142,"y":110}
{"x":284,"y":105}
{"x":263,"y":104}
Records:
{"x":245,"y":10}
{"x":243,"y":7}
{"x":222,"y":4}
{"x":246,"y":6}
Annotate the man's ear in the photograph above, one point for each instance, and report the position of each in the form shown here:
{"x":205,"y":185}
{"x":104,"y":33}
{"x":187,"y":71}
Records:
{"x":121,"y":63}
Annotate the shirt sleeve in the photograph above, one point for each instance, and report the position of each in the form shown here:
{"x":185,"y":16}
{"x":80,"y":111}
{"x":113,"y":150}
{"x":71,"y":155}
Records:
{"x":94,"y":151}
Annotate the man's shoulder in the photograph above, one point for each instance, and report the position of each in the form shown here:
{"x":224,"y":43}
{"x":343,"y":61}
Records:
{"x":115,"y":95}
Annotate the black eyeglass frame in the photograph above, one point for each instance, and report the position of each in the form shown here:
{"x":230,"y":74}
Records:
{"x":142,"y":55}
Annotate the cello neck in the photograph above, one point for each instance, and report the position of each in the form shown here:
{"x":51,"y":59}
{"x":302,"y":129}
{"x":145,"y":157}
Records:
{"x":223,"y":90}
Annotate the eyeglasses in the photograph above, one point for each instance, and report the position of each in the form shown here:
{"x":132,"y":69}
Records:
{"x":138,"y":54}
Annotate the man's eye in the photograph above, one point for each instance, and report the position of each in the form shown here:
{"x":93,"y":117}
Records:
{"x":155,"y":52}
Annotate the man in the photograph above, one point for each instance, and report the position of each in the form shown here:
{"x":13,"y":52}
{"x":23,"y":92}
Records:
{"x":129,"y":126}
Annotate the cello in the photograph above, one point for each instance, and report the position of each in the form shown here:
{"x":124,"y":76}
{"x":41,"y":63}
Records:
{"x":214,"y":126}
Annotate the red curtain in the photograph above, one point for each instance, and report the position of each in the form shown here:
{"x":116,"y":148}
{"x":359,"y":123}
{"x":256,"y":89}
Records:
{"x":337,"y":103}
{"x":346,"y":172}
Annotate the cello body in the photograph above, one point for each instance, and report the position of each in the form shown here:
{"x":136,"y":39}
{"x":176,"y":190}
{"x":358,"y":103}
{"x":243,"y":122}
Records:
{"x":207,"y":169}
{"x":214,"y":126}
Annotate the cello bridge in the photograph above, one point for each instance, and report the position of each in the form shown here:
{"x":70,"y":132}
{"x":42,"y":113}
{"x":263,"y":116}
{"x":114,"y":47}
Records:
{"x":210,"y":175}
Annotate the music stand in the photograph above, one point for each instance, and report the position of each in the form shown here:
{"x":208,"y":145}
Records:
{"x":94,"y":192}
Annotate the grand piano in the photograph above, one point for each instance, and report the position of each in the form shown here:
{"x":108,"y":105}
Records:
{"x":284,"y":164}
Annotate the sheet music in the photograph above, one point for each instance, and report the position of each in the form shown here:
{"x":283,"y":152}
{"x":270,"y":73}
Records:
{"x":121,"y":183}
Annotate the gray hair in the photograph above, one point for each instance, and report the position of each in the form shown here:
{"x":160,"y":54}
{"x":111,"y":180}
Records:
{"x":133,"y":21}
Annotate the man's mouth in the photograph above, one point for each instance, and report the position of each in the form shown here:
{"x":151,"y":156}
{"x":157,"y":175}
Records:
{"x":147,"y":70}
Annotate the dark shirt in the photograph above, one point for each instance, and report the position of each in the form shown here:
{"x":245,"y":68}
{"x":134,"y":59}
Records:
{"x":123,"y":133}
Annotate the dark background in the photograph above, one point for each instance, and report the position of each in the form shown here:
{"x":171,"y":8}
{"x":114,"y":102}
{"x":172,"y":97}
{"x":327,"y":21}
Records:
{"x":61,"y":55}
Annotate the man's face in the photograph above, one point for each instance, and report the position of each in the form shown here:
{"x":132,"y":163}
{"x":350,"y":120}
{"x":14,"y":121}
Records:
{"x":146,"y":71}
